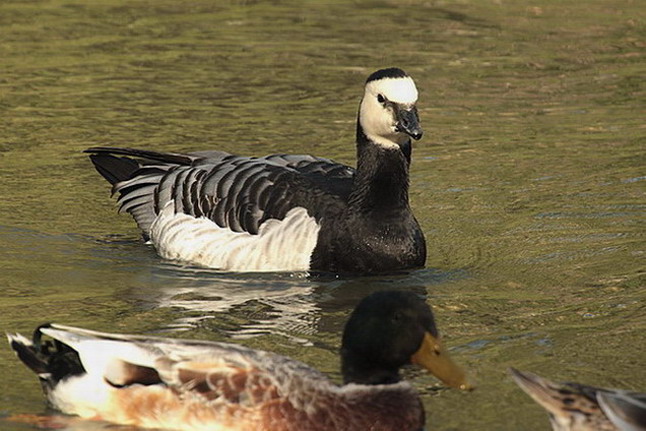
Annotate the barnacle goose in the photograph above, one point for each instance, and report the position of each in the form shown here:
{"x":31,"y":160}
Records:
{"x":284,"y":212}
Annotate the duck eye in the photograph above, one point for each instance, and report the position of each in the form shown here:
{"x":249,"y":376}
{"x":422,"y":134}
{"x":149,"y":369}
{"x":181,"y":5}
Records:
{"x":380,"y":98}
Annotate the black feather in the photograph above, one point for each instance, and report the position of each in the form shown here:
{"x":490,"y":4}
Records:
{"x":51,"y":359}
{"x":114,"y":169}
{"x":364,"y":220}
{"x":391,"y":72}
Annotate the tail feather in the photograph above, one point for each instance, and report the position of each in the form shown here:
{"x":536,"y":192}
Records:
{"x":173,"y":158}
{"x":114,"y":169}
{"x":26,"y":352}
{"x":51,"y":360}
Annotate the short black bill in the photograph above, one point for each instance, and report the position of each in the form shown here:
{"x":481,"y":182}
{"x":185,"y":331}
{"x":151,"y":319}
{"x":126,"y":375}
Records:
{"x":408,"y":122}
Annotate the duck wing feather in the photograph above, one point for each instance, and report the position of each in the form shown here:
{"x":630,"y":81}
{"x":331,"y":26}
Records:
{"x":212,"y":374}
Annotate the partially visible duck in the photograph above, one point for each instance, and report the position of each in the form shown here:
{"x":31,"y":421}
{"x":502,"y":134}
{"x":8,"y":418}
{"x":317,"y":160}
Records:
{"x":284,"y":212}
{"x":201,"y":385}
{"x":577,"y":407}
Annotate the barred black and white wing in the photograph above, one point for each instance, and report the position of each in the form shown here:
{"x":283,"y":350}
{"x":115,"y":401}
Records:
{"x":243,"y":207}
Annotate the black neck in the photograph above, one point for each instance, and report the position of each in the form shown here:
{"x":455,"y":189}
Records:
{"x":356,"y":370}
{"x":381,"y":179}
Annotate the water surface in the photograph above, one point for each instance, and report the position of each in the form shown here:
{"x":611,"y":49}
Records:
{"x":529,"y":182}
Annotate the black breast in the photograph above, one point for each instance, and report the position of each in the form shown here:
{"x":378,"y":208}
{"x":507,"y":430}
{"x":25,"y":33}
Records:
{"x":360,"y":243}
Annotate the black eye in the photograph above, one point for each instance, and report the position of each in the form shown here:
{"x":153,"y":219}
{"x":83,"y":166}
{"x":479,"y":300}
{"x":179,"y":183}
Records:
{"x":380,"y":98}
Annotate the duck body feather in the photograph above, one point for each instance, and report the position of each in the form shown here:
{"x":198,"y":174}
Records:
{"x":577,"y":407}
{"x":200,"y":385}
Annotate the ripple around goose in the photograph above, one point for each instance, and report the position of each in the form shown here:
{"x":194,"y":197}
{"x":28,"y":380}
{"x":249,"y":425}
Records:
{"x":284,"y":212}
{"x":202,"y":385}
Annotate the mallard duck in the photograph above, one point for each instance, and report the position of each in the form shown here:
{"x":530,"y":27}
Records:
{"x":577,"y":407}
{"x":201,"y":385}
{"x":284,"y":212}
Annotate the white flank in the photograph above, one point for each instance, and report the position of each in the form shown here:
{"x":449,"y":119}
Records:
{"x":280,"y":245}
{"x":85,"y":396}
{"x":88,"y":394}
{"x":377,"y":121}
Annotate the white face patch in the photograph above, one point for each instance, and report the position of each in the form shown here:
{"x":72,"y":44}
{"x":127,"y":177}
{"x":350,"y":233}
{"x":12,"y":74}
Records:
{"x":378,"y":121}
{"x":398,"y":90}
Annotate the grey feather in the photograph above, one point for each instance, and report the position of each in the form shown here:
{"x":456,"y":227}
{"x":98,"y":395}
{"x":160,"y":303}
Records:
{"x":233,"y":191}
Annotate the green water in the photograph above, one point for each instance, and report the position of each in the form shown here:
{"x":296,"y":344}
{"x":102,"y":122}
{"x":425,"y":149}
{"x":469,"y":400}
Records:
{"x":529,"y":182}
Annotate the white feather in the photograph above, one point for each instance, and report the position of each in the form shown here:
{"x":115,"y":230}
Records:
{"x":86,"y":394}
{"x":280,"y":245}
{"x":376,"y":120}
{"x":19,"y":338}
{"x":398,"y":90}
{"x":82,"y":395}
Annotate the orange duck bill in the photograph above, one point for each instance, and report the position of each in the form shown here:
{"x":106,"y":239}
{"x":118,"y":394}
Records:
{"x":433,"y":356}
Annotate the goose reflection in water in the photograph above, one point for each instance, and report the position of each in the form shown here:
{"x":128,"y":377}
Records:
{"x":289,"y":305}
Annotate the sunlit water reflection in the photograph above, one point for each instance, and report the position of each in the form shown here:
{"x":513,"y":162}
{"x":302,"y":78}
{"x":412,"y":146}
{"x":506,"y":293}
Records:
{"x":529,"y":182}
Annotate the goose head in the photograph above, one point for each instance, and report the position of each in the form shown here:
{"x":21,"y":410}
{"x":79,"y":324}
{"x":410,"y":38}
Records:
{"x":388,"y":115}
